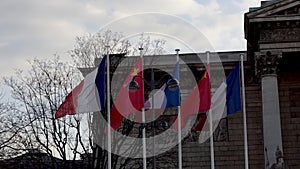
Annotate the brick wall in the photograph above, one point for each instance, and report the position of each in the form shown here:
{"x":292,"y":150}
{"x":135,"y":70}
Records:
{"x":229,"y":154}
{"x":290,"y":122}
{"x":255,"y":127}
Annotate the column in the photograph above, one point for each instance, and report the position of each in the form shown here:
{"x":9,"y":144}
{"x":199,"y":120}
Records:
{"x":266,"y":64}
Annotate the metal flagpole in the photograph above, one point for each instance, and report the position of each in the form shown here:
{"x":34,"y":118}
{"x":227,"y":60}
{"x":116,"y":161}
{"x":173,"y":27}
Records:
{"x":144,"y":126}
{"x":108,"y":108}
{"x":153,"y":118}
{"x":244,"y":114}
{"x":144,"y":139}
{"x":179,"y":122}
{"x":212,"y":155}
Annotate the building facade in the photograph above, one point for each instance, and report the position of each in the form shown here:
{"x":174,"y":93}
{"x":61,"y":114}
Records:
{"x":272,"y":86}
{"x":272,"y":83}
{"x":273,"y":47}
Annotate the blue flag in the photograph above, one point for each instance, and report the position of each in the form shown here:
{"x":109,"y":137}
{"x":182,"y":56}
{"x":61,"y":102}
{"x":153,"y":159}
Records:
{"x":173,"y":96}
{"x":233,"y":91}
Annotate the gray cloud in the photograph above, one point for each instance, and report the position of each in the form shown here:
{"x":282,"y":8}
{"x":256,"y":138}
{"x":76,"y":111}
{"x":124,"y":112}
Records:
{"x":35,"y":28}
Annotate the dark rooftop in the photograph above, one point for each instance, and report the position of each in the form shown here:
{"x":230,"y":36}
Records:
{"x":264,"y":4}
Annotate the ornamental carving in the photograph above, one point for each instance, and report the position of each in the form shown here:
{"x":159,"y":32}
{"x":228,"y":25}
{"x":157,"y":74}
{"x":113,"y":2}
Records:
{"x":266,"y":63}
{"x":280,"y":35}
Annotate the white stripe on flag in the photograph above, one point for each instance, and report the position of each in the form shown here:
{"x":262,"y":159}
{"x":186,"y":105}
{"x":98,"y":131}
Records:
{"x":219,"y":103}
{"x":159,"y":99}
{"x":88,"y":98}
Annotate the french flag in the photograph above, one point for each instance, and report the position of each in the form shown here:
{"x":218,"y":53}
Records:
{"x":164,"y":97}
{"x":226,"y":99}
{"x":88,"y":96}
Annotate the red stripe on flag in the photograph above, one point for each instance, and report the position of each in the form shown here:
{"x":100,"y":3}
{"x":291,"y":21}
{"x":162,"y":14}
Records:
{"x":68,"y":107}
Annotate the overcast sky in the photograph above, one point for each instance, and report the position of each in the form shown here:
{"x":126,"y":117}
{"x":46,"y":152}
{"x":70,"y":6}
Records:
{"x":34,"y":28}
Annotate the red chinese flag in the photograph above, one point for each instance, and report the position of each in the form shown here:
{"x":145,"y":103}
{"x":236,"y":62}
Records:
{"x":204,"y":91}
{"x":199,"y":99}
{"x":128,"y":102}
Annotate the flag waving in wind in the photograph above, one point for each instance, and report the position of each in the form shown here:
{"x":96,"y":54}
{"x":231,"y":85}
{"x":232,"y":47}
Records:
{"x":128,"y":102}
{"x":165,"y":97}
{"x":227,"y":98}
{"x":88,"y":96}
{"x":199,"y":99}
{"x":162,"y":98}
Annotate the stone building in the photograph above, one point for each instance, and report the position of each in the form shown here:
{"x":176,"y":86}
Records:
{"x":273,"y":48}
{"x":272,"y":86}
{"x":272,"y":82}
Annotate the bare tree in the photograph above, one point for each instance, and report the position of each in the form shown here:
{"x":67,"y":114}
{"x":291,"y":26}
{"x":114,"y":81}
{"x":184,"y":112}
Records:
{"x":39,"y":92}
{"x":92,"y":46}
{"x":150,"y":46}
{"x":9,"y":131}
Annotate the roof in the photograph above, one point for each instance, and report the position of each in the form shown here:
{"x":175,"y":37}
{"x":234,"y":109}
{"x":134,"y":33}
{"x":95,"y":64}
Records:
{"x":264,"y":4}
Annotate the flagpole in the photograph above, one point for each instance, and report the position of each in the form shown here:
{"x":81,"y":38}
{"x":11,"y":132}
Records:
{"x":244,"y":114}
{"x":108,"y":108}
{"x":144,"y":126}
{"x":179,"y":122}
{"x":153,"y":118}
{"x":212,"y":155}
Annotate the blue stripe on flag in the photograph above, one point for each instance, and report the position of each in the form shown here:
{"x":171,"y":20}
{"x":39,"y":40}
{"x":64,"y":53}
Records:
{"x":233,"y":96}
{"x":100,"y":82}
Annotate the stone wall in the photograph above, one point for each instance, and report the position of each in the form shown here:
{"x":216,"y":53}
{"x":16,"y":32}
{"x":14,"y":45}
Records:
{"x":290,"y":120}
{"x":255,"y":127}
{"x":229,"y":154}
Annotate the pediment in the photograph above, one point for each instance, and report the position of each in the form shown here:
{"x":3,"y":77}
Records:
{"x":275,"y":8}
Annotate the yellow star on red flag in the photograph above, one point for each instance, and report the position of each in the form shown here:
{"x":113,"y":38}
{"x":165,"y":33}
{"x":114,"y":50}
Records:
{"x":135,"y":72}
